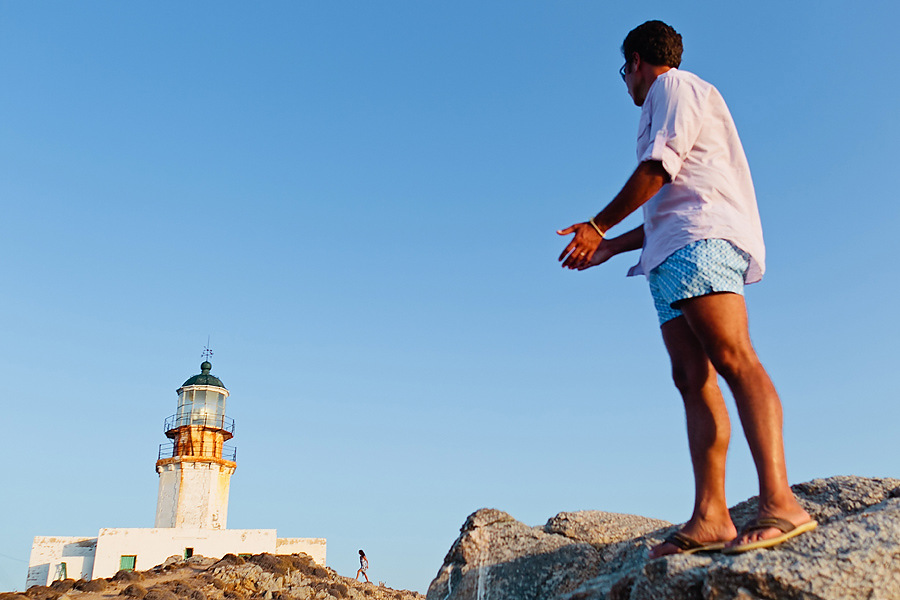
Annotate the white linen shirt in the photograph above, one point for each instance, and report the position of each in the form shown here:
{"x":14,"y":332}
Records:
{"x":686,"y":125}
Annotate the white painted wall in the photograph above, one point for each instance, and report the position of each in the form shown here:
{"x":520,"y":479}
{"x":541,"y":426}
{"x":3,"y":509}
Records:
{"x":315,"y":547}
{"x":153,"y":546}
{"x":167,"y":498}
{"x":90,"y":558}
{"x":48,"y":552}
{"x":193,"y":493}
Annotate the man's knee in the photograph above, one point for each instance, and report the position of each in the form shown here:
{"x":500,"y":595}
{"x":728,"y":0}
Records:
{"x":691,"y":378}
{"x":733,"y":363}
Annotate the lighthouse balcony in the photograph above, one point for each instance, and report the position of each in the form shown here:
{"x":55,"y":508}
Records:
{"x":198,"y":450}
{"x":176,"y":422}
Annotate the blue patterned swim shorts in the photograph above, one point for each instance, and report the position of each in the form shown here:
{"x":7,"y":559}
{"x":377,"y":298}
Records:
{"x":700,"y":268}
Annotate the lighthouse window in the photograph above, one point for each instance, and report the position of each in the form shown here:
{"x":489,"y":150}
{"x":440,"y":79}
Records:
{"x":219,"y":407}
{"x":185,"y":404}
{"x":199,"y":397}
{"x":127,"y":562}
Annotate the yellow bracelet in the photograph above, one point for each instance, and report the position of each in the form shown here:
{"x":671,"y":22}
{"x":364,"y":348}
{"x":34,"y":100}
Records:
{"x":597,"y":229}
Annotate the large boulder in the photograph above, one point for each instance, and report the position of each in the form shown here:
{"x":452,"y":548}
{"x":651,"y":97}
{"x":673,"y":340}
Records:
{"x":498,"y":555}
{"x":594,"y":555}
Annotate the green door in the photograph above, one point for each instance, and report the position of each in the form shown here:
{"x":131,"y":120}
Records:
{"x":126,"y":562}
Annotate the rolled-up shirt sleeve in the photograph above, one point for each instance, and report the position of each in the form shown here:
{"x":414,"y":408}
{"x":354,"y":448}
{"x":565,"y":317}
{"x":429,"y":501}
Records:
{"x":676,"y":115}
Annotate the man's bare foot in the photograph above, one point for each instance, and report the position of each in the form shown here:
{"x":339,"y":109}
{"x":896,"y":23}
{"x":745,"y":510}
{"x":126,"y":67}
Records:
{"x":790,"y":511}
{"x":701,"y":531}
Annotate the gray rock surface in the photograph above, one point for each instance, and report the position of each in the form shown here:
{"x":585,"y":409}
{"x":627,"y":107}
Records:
{"x":499,"y":556}
{"x":854,"y":553}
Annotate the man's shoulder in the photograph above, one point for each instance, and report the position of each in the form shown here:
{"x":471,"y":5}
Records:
{"x":675,"y":85}
{"x":680,"y":78}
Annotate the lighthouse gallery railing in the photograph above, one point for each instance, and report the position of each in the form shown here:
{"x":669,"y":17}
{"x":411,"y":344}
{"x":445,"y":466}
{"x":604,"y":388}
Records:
{"x":228,"y":452}
{"x":199,"y":420}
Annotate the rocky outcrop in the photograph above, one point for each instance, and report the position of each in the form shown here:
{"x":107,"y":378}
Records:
{"x":855,"y":553}
{"x":258,"y":577}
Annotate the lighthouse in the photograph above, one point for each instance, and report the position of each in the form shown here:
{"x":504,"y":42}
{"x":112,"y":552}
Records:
{"x":195,"y":468}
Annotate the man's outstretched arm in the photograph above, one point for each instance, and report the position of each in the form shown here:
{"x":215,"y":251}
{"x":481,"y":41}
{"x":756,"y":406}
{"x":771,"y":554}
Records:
{"x":643,"y":184}
{"x":609,"y":247}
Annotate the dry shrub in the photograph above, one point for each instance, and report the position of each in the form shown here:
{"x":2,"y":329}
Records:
{"x":216,"y":583}
{"x":160,"y":593}
{"x":320,"y":572}
{"x":301,"y":561}
{"x":42,"y":592}
{"x":12,"y":596}
{"x":134,"y":590}
{"x":181,"y":588}
{"x":94,"y":585}
{"x":234,"y":595}
{"x":196,"y":595}
{"x":339,"y":590}
{"x":127,"y":576}
{"x":271,"y":563}
{"x":228,"y":559}
{"x":199,"y":561}
{"x":62,"y":585}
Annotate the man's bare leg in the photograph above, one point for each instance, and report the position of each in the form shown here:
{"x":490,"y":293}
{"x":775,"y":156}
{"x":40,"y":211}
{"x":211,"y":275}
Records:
{"x":719,"y":322}
{"x":709,"y":430}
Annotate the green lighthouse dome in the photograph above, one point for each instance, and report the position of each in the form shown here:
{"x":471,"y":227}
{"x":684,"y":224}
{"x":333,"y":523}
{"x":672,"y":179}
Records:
{"x":204,"y":378}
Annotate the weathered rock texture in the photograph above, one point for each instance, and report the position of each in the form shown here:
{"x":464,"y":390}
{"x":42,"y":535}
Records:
{"x":259,"y":577}
{"x":854,"y":553}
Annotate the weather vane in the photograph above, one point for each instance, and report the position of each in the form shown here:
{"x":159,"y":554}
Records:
{"x":207,"y":353}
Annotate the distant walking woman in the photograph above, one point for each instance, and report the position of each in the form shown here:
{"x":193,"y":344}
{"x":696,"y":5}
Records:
{"x":363,"y":566}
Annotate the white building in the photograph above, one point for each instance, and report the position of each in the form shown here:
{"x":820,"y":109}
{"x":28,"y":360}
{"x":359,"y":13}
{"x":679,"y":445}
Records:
{"x":195,"y":471}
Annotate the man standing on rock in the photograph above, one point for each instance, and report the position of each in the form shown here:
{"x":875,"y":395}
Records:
{"x":701,"y":241}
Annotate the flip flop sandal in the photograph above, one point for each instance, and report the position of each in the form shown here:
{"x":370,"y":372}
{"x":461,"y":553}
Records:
{"x":689,"y":545}
{"x":788,"y":531}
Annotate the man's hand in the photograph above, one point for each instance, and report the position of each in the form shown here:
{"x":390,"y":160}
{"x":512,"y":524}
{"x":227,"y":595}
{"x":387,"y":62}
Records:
{"x":587,"y":248}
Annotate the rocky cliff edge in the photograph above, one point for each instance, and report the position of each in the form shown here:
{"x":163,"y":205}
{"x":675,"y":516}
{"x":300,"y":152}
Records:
{"x":854,"y":553}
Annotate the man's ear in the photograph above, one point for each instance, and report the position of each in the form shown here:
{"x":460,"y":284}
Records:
{"x":636,"y":60}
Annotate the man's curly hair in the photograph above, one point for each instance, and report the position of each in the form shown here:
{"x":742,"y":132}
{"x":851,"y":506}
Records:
{"x":655,"y":42}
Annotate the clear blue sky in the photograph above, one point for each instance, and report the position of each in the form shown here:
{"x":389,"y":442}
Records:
{"x":357,"y":202}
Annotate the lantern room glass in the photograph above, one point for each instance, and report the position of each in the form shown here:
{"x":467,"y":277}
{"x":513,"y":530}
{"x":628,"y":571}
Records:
{"x":201,"y":407}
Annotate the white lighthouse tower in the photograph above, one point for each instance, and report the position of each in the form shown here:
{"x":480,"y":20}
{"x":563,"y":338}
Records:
{"x":195,"y":468}
{"x":192,"y":506}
